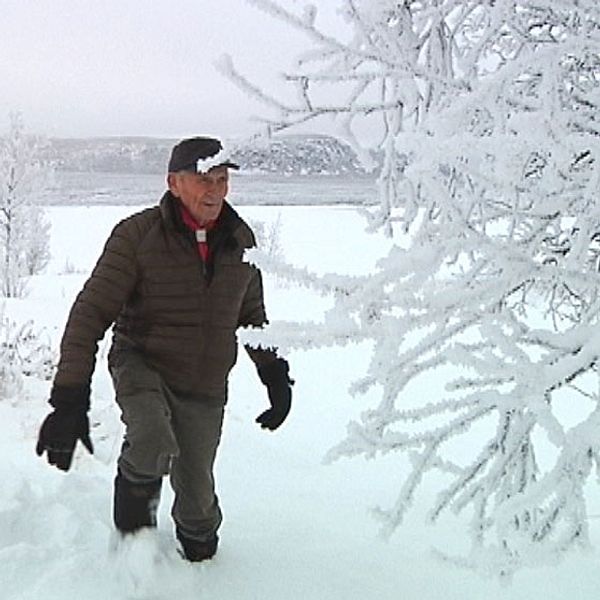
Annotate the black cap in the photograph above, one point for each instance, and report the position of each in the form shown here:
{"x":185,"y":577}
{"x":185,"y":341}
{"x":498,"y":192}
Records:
{"x":186,"y":154}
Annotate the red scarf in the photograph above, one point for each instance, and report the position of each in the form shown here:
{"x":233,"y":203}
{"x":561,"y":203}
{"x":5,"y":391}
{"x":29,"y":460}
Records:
{"x":199,"y":231}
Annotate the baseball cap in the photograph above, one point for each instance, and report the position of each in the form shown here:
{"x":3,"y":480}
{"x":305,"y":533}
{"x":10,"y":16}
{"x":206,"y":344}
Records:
{"x":199,"y":155}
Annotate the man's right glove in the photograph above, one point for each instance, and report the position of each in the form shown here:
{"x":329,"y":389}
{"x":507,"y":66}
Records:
{"x":275,"y":375}
{"x":64,"y":426}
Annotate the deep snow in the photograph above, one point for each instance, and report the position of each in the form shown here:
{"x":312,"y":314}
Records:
{"x":294,"y":527}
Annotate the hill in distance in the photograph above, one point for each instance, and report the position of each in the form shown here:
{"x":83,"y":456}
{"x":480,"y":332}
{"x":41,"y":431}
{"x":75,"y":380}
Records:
{"x":282,"y":155}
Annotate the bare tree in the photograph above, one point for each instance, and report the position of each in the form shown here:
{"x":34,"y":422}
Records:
{"x":489,"y":182}
{"x":24,"y":230}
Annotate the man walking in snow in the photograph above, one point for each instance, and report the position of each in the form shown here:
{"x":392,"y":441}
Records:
{"x":172,"y":281}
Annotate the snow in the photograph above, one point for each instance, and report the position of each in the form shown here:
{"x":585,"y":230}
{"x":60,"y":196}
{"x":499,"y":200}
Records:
{"x":295,"y":528}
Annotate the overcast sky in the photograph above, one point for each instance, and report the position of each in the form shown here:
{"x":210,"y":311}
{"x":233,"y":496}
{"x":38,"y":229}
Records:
{"x":136,"y":67}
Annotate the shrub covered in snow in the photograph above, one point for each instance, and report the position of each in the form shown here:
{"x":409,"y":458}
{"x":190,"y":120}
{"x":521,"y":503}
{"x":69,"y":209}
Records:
{"x":22,"y":354}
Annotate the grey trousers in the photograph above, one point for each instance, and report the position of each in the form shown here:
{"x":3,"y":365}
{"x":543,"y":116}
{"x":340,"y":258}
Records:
{"x":169,"y":433}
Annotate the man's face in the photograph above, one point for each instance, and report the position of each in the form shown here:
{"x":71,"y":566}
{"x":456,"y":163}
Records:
{"x":201,"y":193}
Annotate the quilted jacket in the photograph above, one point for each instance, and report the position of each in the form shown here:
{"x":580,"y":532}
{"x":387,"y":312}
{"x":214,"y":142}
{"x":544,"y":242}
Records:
{"x":180,"y":313}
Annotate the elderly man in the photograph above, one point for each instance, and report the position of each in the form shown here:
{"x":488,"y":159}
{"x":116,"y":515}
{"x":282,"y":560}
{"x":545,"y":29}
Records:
{"x":173,"y":282}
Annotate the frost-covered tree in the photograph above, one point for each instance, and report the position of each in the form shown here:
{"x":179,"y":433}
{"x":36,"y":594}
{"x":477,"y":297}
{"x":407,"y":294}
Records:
{"x":268,"y":238}
{"x":489,"y":183}
{"x":24,"y":229}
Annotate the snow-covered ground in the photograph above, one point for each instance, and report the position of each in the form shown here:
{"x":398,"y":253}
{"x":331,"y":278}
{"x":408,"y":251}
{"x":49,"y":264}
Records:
{"x":294,"y":528}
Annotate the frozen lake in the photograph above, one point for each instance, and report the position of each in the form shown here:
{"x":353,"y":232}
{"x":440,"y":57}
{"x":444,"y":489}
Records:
{"x":247,"y":189}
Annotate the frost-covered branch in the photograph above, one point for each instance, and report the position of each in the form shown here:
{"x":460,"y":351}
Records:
{"x":488,"y":154}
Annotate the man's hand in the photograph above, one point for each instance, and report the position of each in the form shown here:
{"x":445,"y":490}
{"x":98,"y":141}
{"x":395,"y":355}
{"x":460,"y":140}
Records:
{"x":64,"y":426}
{"x":275,"y":377}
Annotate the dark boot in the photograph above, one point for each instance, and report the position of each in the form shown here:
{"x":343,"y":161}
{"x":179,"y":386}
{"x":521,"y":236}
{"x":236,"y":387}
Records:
{"x":135,"y":504}
{"x":195,"y":550}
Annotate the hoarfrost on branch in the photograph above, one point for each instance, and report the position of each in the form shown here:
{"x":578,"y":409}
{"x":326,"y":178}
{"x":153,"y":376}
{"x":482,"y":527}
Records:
{"x":488,"y":154}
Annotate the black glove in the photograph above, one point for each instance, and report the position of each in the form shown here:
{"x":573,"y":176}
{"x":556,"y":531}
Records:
{"x":64,"y":426}
{"x":279,"y":387}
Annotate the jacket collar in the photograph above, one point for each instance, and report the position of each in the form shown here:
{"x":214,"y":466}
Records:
{"x":221,"y":235}
{"x":228,"y":220}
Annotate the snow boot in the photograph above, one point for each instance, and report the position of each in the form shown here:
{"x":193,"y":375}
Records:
{"x":196,"y":550}
{"x":135,"y":504}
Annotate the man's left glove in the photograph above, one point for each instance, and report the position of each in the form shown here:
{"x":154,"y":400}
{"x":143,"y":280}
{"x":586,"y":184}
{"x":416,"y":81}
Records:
{"x":275,"y":375}
{"x":64,"y":426}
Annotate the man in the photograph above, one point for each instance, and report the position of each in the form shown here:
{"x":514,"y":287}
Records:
{"x":172,"y":281}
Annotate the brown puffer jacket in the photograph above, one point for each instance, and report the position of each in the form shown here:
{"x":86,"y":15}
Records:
{"x":165,"y":302}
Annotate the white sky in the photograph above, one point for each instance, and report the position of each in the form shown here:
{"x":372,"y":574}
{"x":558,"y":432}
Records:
{"x":135,"y":67}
